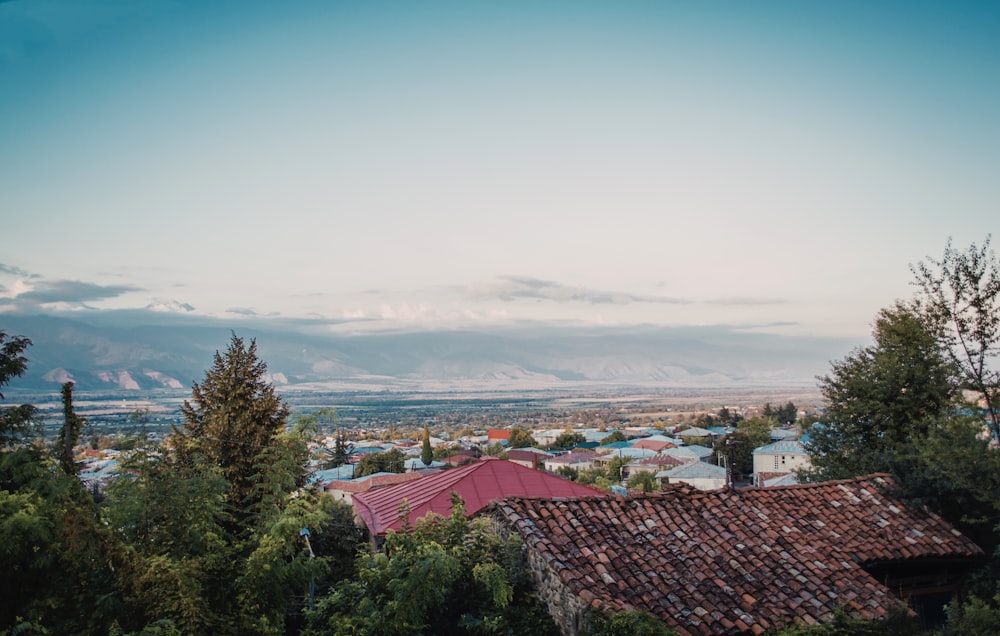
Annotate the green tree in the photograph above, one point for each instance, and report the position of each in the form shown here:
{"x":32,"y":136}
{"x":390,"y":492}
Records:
{"x":390,"y":461}
{"x":881,"y":396}
{"x":69,"y":434}
{"x":727,"y":417}
{"x":629,"y":623}
{"x":446,"y":575}
{"x":56,"y":555}
{"x":341,"y":451}
{"x":738,"y":446}
{"x":233,"y":416}
{"x":786,"y":414}
{"x":568,"y":439}
{"x":520,"y":438}
{"x":179,"y":561}
{"x":15,"y":421}
{"x":960,"y":296}
{"x":426,"y":452}
{"x":615,"y":436}
{"x":643,"y":480}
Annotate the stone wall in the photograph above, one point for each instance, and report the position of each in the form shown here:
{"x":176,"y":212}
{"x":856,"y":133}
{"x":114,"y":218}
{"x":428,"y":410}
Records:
{"x":567,"y":609}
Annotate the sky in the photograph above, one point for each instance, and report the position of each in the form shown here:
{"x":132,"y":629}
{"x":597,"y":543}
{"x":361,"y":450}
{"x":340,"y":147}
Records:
{"x":771,"y":166}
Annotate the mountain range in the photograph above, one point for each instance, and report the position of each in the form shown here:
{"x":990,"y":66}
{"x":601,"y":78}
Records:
{"x":143,"y":351}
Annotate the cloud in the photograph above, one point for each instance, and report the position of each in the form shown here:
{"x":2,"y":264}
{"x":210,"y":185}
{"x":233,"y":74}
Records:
{"x":241,"y":311}
{"x":16,"y":271}
{"x":746,"y":301}
{"x":159,"y":305}
{"x":69,"y":291}
{"x":511,"y":288}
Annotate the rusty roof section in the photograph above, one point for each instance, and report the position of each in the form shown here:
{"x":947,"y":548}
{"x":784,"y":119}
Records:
{"x":725,"y":561}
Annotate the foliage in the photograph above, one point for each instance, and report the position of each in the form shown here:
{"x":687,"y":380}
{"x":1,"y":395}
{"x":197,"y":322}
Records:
{"x":426,"y":452}
{"x":496,"y":449}
{"x":643,"y":480}
{"x":727,"y":417}
{"x":629,"y":623}
{"x":738,"y":446}
{"x":960,"y":296}
{"x":567,"y":440}
{"x":15,"y":421}
{"x":615,"y":436}
{"x":520,"y":438}
{"x":898,"y":623}
{"x":614,"y":471}
{"x":786,"y":414}
{"x":953,"y":471}
{"x":13,"y":362}
{"x":69,"y":434}
{"x":56,"y":555}
{"x":447,"y":575}
{"x":233,"y":416}
{"x":390,"y":461}
{"x":880,"y":396}
{"x":170,"y":519}
{"x":974,"y":617}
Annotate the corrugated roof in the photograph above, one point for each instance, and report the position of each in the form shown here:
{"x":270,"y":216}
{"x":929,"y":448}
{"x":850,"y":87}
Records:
{"x":477,"y":483}
{"x":725,"y":561}
{"x":787,"y":446}
{"x":695,"y":470}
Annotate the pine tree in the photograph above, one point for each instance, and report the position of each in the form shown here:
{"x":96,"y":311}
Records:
{"x":69,"y":434}
{"x":426,"y":452}
{"x":232,"y":418}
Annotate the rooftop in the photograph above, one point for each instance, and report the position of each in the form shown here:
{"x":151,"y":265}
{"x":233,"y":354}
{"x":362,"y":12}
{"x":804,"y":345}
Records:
{"x":726,"y":561}
{"x":477,"y":483}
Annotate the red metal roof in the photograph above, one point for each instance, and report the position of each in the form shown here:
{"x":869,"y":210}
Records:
{"x":478,"y":484}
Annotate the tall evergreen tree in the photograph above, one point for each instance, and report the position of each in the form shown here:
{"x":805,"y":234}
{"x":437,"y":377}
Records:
{"x":69,"y":434}
{"x":426,"y":452}
{"x":232,"y":418}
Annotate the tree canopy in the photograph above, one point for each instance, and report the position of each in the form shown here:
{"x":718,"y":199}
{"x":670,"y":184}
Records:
{"x":960,"y":296}
{"x":233,"y":416}
{"x":881,"y":396}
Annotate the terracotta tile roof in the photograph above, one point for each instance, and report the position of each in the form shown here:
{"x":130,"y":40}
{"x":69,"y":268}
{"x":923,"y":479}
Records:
{"x":724,"y":561}
{"x":478,"y":483}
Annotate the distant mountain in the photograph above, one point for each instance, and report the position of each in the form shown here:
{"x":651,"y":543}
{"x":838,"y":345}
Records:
{"x":142,"y":351}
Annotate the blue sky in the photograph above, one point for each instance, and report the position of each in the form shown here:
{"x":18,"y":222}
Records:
{"x":766,"y":165}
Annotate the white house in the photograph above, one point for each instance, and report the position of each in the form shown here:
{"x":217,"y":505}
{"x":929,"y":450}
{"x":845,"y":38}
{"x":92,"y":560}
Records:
{"x":778,"y":458}
{"x":701,"y":475}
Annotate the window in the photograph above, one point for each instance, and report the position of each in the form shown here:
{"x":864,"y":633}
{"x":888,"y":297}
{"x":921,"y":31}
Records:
{"x":776,"y":462}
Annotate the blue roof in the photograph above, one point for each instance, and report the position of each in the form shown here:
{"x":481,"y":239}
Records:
{"x":617,"y":445}
{"x":694,"y":470}
{"x":786,"y":447}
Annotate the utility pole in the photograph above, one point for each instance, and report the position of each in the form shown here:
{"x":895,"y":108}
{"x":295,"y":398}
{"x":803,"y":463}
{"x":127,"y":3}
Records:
{"x":304,"y":533}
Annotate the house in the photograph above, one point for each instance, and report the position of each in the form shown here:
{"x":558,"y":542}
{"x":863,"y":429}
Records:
{"x":653,"y":464}
{"x":530,"y":457}
{"x":737,"y":561}
{"x":495,"y":435}
{"x":577,"y":460}
{"x":778,"y":458}
{"x":603,"y":461}
{"x":701,"y":475}
{"x":344,"y":471}
{"x":657,"y":443}
{"x":477,"y":483}
{"x":416,"y":463}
